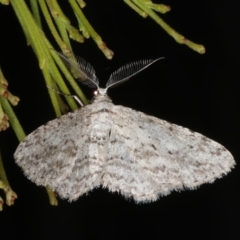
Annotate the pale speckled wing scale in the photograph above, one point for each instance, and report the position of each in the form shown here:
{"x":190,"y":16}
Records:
{"x":122,"y":172}
{"x":124,"y":150}
{"x":180,"y":157}
{"x":155,"y":157}
{"x":88,"y":169}
{"x":48,"y":154}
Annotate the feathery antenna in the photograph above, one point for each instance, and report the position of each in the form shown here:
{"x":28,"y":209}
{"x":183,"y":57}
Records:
{"x":86,"y":73}
{"x":125,"y":72}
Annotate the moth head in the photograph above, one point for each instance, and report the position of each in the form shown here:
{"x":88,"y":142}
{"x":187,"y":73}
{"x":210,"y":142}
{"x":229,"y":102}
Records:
{"x":100,"y":91}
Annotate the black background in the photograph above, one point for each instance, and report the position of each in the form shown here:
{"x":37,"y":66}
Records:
{"x":200,"y":92}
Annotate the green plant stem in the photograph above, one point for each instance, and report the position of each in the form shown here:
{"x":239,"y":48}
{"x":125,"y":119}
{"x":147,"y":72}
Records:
{"x":81,"y":3}
{"x":64,"y":24}
{"x":53,"y":96}
{"x":52,"y":196}
{"x":4,"y":184}
{"x":35,"y":11}
{"x":3,"y":176}
{"x":87,"y":26}
{"x":4,"y":2}
{"x":13,"y":119}
{"x":42,"y":47}
{"x":135,"y":8}
{"x":50,"y":24}
{"x":56,"y":13}
{"x":178,"y":37}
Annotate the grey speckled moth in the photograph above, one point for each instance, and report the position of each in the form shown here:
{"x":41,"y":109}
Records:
{"x":121,"y":149}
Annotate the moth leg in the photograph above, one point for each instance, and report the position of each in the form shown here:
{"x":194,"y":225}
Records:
{"x":68,"y":95}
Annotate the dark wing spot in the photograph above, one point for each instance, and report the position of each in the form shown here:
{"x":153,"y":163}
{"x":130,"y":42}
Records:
{"x":204,"y":138}
{"x":150,"y":120}
{"x":153,"y":147}
{"x":219,"y":151}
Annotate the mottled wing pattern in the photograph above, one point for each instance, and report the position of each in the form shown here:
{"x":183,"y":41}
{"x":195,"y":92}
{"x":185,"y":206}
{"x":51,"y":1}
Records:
{"x":48,"y":154}
{"x":124,"y":150}
{"x":87,"y":171}
{"x":122,"y":172}
{"x":149,"y":157}
{"x":199,"y":159}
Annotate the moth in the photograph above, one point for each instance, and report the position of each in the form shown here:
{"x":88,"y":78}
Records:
{"x":101,"y":144}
